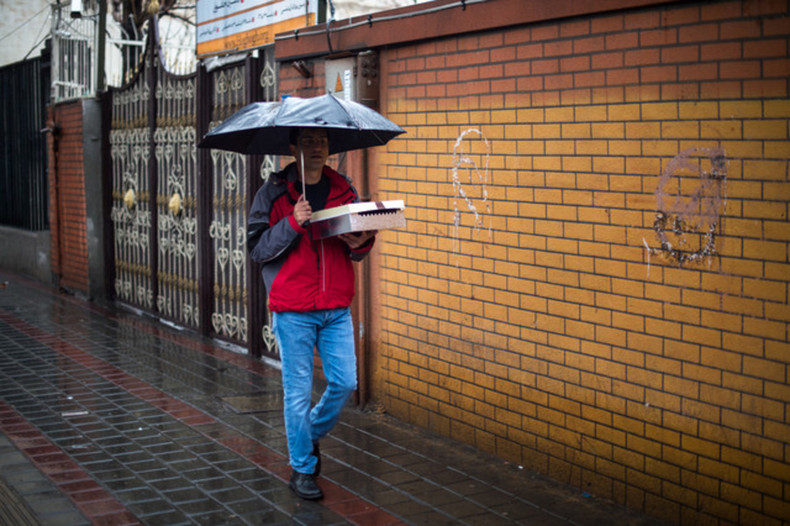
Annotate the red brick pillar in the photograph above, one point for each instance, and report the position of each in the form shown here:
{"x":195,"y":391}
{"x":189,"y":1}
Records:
{"x":69,"y":254}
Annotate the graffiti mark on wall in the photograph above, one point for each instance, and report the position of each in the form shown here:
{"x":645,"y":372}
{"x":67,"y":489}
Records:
{"x":690,"y":199}
{"x":476,"y":188}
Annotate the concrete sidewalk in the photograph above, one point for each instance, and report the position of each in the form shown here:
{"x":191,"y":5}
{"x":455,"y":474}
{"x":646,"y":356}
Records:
{"x":108,"y":417}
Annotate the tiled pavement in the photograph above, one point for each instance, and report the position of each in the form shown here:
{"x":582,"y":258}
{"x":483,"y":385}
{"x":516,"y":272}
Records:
{"x":110,"y":417}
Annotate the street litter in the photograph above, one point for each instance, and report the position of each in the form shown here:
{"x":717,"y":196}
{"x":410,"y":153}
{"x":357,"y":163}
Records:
{"x":74,"y":413}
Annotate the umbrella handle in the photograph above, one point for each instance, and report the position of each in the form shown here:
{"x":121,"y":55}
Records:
{"x":304,"y":188}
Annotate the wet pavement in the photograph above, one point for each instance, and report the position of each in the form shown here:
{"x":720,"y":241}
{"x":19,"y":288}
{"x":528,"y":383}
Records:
{"x":112,"y":417}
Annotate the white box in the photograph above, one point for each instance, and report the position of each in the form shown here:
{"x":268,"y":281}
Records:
{"x":358,"y":217}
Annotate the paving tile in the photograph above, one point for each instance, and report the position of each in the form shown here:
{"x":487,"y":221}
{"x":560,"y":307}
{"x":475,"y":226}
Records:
{"x":231,"y":494}
{"x":138,"y":495}
{"x":462,"y":510}
{"x":149,"y":508}
{"x":171,"y":484}
{"x":202,"y":506}
{"x":261,"y":484}
{"x":248,"y":474}
{"x":180,"y":431}
{"x":216,"y":518}
{"x":120,"y":484}
{"x":398,"y":477}
{"x":51,"y":503}
{"x":182,"y":495}
{"x":167,"y":518}
{"x":270,"y":517}
{"x":64,"y":518}
{"x":202,"y":474}
{"x":430,"y":518}
{"x":217,"y":485}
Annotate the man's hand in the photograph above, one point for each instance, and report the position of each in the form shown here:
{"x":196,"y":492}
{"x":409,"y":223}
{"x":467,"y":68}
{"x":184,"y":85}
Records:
{"x":302,"y":211}
{"x":355,"y":240}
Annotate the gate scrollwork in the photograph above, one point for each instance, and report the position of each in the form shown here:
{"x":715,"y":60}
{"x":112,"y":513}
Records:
{"x":161,"y":237}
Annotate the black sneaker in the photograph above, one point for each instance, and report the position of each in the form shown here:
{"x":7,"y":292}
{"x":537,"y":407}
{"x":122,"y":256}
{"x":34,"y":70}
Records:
{"x":317,"y":455}
{"x":303,"y":484}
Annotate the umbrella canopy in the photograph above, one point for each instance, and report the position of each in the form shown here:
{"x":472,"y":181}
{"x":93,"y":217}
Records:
{"x":264,"y":127}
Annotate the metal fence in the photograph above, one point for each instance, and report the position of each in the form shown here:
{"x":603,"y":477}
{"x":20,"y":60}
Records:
{"x":24,"y":90}
{"x":77,"y":49}
{"x":74,"y":54}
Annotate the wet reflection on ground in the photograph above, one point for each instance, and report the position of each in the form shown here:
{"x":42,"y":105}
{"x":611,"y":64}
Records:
{"x":119,"y":417}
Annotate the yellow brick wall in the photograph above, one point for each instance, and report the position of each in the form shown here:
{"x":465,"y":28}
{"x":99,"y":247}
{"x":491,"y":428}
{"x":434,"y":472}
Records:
{"x":594,"y":279}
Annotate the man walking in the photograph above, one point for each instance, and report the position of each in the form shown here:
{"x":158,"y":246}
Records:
{"x":310,"y":285}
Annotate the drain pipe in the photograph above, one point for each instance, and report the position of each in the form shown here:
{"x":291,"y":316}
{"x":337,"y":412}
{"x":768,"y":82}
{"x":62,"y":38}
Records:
{"x":53,"y":129}
{"x":364,"y":384}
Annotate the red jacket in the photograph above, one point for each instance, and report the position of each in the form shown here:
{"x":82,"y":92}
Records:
{"x":301,"y":274}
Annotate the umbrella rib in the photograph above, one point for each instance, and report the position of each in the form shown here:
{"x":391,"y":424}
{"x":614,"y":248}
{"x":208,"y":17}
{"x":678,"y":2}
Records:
{"x":345,"y":110}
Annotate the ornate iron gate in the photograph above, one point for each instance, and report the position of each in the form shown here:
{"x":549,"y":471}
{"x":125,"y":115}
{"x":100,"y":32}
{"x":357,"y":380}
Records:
{"x":228,"y":218}
{"x":176,"y":202}
{"x":178,"y":215}
{"x":131,"y":212}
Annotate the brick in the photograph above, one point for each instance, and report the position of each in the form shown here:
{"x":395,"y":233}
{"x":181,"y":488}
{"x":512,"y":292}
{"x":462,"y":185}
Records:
{"x":680,"y":54}
{"x":776,"y":350}
{"x":776,"y":508}
{"x":680,"y":130}
{"x":764,"y":48}
{"x":738,"y":495}
{"x":698,"y":110}
{"x":739,"y":266}
{"x":741,"y":29}
{"x":709,"y":453}
{"x":765,"y":290}
{"x":658,"y":74}
{"x":776,"y":470}
{"x":776,"y":109}
{"x":740,"y":69}
{"x":777,"y":149}
{"x":575,"y":63}
{"x":718,"y":508}
{"x":755,"y":449}
{"x":641,"y":57}
{"x":620,"y":77}
{"x":765,"y":129}
{"x":684,"y":425}
{"x":765,"y":328}
{"x":766,"y":88}
{"x":644,"y":446}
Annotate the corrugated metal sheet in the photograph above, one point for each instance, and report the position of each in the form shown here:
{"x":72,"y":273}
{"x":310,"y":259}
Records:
{"x":24,"y":89}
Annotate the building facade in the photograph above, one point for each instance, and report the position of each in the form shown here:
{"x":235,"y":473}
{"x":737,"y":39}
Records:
{"x":594,"y":279}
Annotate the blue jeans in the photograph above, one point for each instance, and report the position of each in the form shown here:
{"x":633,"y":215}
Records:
{"x":298,"y":334}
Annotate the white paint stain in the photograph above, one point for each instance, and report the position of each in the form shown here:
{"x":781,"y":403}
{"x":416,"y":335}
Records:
{"x":478,"y":175}
{"x":690,"y":198}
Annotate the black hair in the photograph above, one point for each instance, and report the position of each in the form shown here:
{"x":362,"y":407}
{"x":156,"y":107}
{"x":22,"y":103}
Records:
{"x":293,"y":135}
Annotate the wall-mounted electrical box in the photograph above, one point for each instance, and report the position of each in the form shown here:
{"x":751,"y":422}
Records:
{"x":354,"y":78}
{"x":341,"y":78}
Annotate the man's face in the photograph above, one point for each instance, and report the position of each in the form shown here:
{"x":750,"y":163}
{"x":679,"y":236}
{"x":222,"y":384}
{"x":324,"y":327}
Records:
{"x":313,"y":143}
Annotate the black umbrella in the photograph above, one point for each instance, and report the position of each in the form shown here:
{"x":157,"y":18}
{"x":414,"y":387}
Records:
{"x":264,"y":127}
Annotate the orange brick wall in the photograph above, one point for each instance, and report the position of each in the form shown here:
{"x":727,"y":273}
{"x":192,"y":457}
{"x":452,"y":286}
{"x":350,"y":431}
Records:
{"x":69,"y":251}
{"x":594,"y":279}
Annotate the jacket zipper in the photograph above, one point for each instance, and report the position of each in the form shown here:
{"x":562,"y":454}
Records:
{"x":323,"y":268}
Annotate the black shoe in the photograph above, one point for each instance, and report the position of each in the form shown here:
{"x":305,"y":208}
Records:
{"x":317,"y":455}
{"x":303,"y":484}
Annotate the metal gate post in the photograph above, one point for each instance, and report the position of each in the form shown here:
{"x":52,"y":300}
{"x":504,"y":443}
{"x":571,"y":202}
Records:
{"x":256,"y":296}
{"x":205,"y":191}
{"x":107,"y":187}
{"x":153,"y":176}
